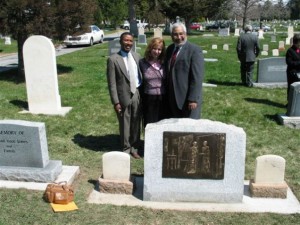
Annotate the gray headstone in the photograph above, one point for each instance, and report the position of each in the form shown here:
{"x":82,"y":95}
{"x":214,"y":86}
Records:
{"x":142,"y":39}
{"x":228,"y":189}
{"x":224,"y":32}
{"x":271,"y":70}
{"x":114,"y":46}
{"x":294,"y":100}
{"x":41,"y":77}
{"x":24,"y":152}
{"x":273,"y":38}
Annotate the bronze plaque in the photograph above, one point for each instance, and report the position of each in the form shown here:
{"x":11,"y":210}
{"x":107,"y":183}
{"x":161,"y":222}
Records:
{"x":193,"y":155}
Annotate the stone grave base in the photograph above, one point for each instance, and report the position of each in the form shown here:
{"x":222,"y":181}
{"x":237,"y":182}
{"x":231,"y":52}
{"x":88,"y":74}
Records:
{"x":61,"y":112}
{"x":115,"y":186}
{"x":270,"y":85}
{"x":292,"y":122}
{"x":268,"y":190}
{"x":290,"y":205}
{"x":32,"y":174}
{"x":68,"y":174}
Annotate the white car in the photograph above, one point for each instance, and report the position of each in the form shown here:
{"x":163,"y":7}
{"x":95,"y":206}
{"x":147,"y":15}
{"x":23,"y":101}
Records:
{"x":91,"y":36}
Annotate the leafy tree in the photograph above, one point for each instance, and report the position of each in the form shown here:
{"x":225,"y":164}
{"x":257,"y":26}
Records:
{"x":51,"y":18}
{"x":113,"y":11}
{"x":190,"y":9}
{"x":294,"y":6}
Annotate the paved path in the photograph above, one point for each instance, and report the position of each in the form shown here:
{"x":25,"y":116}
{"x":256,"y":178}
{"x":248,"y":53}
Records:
{"x":10,"y":61}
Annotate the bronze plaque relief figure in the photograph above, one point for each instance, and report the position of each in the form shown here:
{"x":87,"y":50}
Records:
{"x":193,"y":155}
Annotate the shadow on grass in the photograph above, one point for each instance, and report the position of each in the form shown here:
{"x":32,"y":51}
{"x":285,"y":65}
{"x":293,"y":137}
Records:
{"x":273,"y":118}
{"x":224,"y":83}
{"x":61,"y":69}
{"x":11,"y":75}
{"x":21,"y":104}
{"x":266,"y":102}
{"x":105,"y":143}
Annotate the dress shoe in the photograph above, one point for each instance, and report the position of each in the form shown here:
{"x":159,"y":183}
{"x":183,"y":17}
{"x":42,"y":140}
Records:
{"x":135,"y":155}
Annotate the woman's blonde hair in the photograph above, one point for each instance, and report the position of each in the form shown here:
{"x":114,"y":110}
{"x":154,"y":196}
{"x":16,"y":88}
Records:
{"x":153,"y":44}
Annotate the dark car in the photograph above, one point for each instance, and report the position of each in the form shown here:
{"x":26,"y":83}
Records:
{"x":216,"y":26}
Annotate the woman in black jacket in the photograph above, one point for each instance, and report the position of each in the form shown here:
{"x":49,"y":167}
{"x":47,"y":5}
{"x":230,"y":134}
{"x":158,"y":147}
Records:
{"x":292,"y":59}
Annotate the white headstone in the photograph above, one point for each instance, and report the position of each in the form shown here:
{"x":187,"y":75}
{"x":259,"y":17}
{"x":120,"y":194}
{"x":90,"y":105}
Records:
{"x":290,"y":31}
{"x":116,"y":166}
{"x":7,"y":41}
{"x":157,"y":32}
{"x":225,"y":47}
{"x":141,"y":30}
{"x":260,"y":34}
{"x":41,"y":77}
{"x":237,"y":32}
{"x":275,"y":52}
{"x":281,"y":46}
{"x":269,"y":169}
{"x":288,"y":41}
{"x":214,"y":47}
{"x":264,"y":53}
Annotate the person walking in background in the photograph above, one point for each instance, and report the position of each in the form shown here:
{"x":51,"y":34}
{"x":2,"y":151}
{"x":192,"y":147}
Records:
{"x":154,"y":82}
{"x":185,"y":73}
{"x":124,"y":80}
{"x":247,"y":51}
{"x":292,"y":59}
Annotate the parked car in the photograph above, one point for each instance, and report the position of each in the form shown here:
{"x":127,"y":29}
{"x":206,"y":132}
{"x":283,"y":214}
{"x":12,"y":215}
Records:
{"x":93,"y":35}
{"x":216,"y":26}
{"x":126,"y":24}
{"x":195,"y":26}
{"x":265,"y":28}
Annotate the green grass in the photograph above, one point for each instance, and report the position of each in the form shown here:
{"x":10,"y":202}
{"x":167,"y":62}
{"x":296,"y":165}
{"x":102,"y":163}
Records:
{"x":91,"y":129}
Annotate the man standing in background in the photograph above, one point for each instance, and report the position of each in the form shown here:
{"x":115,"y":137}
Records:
{"x":247,"y":50}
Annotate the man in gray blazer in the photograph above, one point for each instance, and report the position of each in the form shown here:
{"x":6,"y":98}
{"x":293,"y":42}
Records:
{"x":247,"y":50}
{"x":124,"y":80}
{"x":185,"y":73}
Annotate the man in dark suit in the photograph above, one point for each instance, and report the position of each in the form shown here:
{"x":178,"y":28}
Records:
{"x":185,"y":73}
{"x":124,"y":80}
{"x":247,"y":51}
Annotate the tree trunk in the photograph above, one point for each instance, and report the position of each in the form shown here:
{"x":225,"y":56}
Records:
{"x":21,"y":39}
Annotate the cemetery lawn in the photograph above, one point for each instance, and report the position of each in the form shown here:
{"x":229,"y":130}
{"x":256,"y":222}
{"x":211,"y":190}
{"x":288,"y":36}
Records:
{"x":91,"y":129}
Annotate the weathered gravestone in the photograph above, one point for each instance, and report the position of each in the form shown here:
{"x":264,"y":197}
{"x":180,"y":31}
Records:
{"x":214,"y":47}
{"x":116,"y":174}
{"x":293,"y":108}
{"x":281,"y":46}
{"x":268,"y":180}
{"x":194,"y":161}
{"x":24,"y":152}
{"x":7,"y":41}
{"x":266,"y":47}
{"x":275,"y":52}
{"x":157,"y":32}
{"x":41,"y":77}
{"x":224,"y":32}
{"x":142,"y":39}
{"x":272,"y":70}
{"x":273,"y":38}
{"x":141,"y":30}
{"x":225,"y":47}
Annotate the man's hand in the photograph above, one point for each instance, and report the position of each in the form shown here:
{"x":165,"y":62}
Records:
{"x":192,"y":105}
{"x":118,"y":108}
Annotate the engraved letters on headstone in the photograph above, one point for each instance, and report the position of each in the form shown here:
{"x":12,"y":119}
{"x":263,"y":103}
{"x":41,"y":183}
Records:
{"x":193,"y":155}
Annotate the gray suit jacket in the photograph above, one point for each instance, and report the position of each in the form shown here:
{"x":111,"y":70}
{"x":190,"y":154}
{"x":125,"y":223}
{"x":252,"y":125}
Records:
{"x":247,"y":47}
{"x":188,"y":73}
{"x":118,"y":79}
